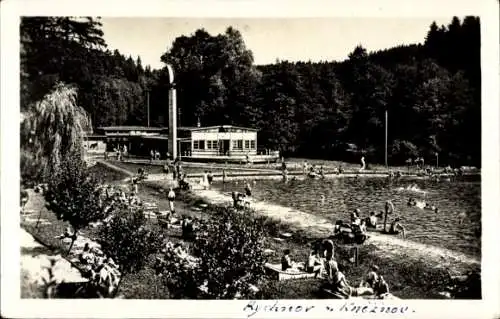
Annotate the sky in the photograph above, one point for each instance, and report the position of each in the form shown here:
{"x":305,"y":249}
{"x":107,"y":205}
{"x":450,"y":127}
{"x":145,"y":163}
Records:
{"x":292,"y":39}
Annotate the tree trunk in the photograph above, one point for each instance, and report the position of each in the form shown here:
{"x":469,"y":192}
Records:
{"x":38,"y":219}
{"x":385,"y":220}
{"x":73,"y":239}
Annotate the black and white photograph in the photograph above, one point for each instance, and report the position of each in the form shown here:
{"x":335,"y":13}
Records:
{"x":251,"y":158}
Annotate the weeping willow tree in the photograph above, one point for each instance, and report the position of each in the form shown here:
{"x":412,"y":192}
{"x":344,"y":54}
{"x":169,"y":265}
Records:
{"x":51,"y":130}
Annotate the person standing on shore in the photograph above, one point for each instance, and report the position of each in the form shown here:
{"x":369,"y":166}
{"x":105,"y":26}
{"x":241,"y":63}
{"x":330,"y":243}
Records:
{"x":305,"y":167}
{"x":389,"y":209}
{"x":224,"y":179}
{"x":248,"y":190}
{"x":210,"y":178}
{"x":204,"y":180}
{"x":171,"y":199}
{"x":409,"y":163}
{"x":363,"y":164}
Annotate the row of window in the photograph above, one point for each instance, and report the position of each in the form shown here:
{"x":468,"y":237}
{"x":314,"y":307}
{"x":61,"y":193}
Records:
{"x":213,"y":145}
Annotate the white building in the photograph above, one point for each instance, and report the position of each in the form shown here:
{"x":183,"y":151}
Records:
{"x":222,"y":143}
{"x":225,"y":140}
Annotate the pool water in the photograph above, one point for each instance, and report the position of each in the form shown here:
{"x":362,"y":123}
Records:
{"x":333,"y":199}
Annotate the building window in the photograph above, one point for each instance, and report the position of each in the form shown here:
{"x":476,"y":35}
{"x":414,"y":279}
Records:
{"x":238,"y":144}
{"x":202,"y":145}
{"x":247,"y":144}
{"x":252,"y":144}
{"x":212,"y":145}
{"x":196,"y":145}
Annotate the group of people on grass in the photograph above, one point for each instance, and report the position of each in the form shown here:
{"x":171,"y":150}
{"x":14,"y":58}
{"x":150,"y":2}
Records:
{"x":174,"y":167}
{"x":121,"y":151}
{"x":241,"y":200}
{"x":154,"y":155}
{"x":322,"y":263}
{"x":206,"y":179}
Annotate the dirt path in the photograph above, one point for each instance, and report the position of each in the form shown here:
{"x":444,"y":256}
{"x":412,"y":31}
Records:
{"x":35,"y":261}
{"x":317,"y":226}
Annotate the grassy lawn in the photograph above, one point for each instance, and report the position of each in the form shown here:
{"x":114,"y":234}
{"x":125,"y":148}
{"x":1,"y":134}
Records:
{"x":407,"y":279}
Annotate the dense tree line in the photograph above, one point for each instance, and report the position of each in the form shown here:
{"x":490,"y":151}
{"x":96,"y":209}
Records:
{"x":71,"y":50}
{"x":431,"y":91}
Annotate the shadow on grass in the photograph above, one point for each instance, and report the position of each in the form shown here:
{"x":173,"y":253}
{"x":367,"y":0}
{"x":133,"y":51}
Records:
{"x":41,"y":250}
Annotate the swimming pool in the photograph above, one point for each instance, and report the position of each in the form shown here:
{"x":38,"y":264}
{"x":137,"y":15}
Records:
{"x":334,"y":198}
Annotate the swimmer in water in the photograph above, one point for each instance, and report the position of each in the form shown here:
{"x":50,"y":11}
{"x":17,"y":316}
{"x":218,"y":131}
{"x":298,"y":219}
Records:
{"x":412,"y":202}
{"x":323,"y":198}
{"x":431,"y":207}
{"x":341,"y":170}
{"x":461,"y":218}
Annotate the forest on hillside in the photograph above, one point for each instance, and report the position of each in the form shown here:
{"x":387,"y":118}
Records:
{"x":431,"y":91}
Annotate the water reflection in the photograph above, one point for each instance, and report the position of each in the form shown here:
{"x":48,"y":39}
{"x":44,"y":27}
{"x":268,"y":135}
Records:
{"x":334,"y":198}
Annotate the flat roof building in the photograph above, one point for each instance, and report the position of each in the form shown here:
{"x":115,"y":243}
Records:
{"x":211,"y":143}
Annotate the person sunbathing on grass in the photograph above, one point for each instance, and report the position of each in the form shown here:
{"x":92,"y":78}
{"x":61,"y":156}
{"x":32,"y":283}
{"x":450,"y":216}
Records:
{"x":24,"y":198}
{"x":359,"y":232}
{"x":68,"y":233}
{"x":183,"y":254}
{"x":371,"y":221}
{"x":328,"y":249}
{"x":322,"y":172}
{"x":362,"y":226}
{"x":314,"y":263}
{"x":371,"y":278}
{"x":240,"y":200}
{"x":236,"y":196}
{"x":397,"y":228}
{"x":339,"y":286}
{"x":188,"y":228}
{"x":355,"y":220}
{"x":248,"y":189}
{"x":286,"y":261}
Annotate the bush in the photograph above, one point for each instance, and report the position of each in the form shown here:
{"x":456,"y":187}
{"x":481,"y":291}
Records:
{"x":230,"y":259}
{"x":73,"y":195}
{"x":127,"y":240}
